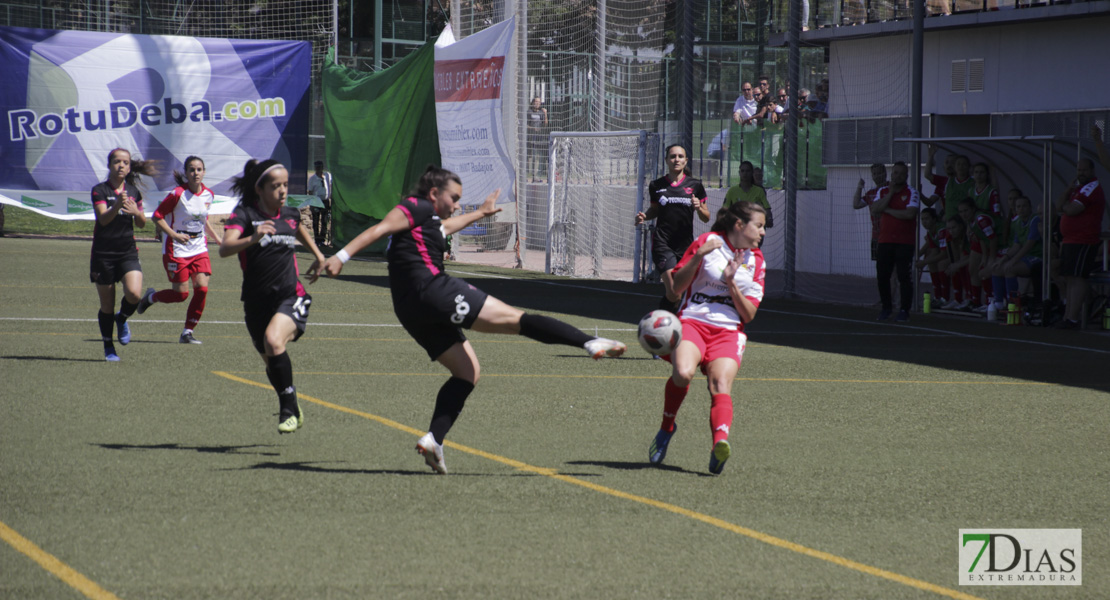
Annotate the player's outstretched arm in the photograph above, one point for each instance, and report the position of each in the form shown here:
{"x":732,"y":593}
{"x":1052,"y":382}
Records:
{"x":395,"y":221}
{"x":305,"y":237}
{"x":488,"y":208}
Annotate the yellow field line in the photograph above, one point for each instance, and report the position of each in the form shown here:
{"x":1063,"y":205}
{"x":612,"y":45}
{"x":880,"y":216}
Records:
{"x":662,"y":377}
{"x":49,"y":562}
{"x":708,"y":520}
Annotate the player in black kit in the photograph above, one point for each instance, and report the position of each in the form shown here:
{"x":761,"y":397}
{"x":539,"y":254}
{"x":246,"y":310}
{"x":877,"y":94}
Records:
{"x":434,"y":307}
{"x":263,"y":232}
{"x":118,"y":205}
{"x":675,"y":197}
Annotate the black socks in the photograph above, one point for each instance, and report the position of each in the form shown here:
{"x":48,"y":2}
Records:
{"x":280,"y":374}
{"x":449,"y":403}
{"x":552,"y":331}
{"x":106,"y":321}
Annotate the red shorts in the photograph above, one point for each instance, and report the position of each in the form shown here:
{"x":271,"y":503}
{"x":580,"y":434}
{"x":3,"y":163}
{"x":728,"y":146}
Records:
{"x":179,"y":270}
{"x":713,"y":342}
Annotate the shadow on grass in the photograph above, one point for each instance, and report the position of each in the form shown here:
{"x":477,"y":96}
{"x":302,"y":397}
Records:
{"x":52,"y":358}
{"x":307,"y":467}
{"x":200,"y":449}
{"x":635,"y":466}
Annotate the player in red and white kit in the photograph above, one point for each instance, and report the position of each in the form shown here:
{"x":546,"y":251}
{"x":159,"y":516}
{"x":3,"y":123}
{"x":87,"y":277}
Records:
{"x":721,"y":279}
{"x":182,"y":217}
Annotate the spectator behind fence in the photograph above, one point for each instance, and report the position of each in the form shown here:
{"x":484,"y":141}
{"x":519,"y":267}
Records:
{"x":865,"y":200}
{"x":749,"y":191}
{"x":940,"y":182}
{"x":819,"y":106}
{"x":782,"y":106}
{"x":897,"y":205}
{"x":956,"y":245}
{"x":319,"y":185}
{"x":958,"y":187}
{"x":1080,"y":207}
{"x":1024,"y":256}
{"x":537,"y":142}
{"x":743,"y":111}
{"x":983,"y":233}
{"x":932,"y":256}
{"x":718,"y":146}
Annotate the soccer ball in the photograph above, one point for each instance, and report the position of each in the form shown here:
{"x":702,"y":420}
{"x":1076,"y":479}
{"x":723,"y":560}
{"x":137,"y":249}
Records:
{"x":660,"y":332}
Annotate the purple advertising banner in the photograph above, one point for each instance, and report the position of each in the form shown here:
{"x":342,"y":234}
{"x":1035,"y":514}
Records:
{"x":69,"y":97}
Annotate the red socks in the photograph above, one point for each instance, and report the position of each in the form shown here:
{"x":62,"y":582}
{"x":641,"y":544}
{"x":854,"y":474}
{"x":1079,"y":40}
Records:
{"x":196,"y":307}
{"x":170,"y":297}
{"x":720,"y":416}
{"x":672,"y":400}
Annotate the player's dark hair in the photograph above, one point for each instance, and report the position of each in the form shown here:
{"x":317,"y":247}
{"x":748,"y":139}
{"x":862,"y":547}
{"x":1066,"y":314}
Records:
{"x":968,"y":202}
{"x":878,"y":166}
{"x":985,"y":166}
{"x":667,"y":151}
{"x":739,"y":211}
{"x":246,"y":186}
{"x":179,"y":177}
{"x":433,"y":177}
{"x":932,"y":212}
{"x":138,"y":167}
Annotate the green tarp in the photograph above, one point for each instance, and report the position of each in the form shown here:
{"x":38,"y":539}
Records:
{"x":380,"y":135}
{"x":763,"y":146}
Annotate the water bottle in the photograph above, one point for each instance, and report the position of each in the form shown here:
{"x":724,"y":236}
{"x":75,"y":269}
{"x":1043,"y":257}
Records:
{"x":992,"y":312}
{"x":1106,"y":319}
{"x":1013,"y":317}
{"x":927,"y":306}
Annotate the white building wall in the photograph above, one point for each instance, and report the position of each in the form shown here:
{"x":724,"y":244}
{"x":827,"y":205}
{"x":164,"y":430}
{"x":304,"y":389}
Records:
{"x":870,"y":77}
{"x":1047,"y":66}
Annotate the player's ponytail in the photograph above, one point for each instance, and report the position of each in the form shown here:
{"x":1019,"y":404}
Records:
{"x":179,"y":177}
{"x":254,"y":172}
{"x":739,"y":211}
{"x":138,"y":167}
{"x":433,"y":177}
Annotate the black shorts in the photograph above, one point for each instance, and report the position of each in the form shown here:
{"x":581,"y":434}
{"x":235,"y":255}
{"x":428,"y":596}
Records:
{"x":436,"y":315}
{"x":259,"y":315}
{"x":1078,"y":260}
{"x":110,"y":270}
{"x":664,"y":257}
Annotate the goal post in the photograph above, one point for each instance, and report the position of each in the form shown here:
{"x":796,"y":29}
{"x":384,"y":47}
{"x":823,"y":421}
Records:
{"x":596,"y":184}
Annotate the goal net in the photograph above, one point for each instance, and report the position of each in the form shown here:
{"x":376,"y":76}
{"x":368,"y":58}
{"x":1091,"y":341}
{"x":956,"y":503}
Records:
{"x":596,"y":187}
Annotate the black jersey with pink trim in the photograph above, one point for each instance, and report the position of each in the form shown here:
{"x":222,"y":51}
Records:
{"x":116,"y":239}
{"x":270,"y":266}
{"x":674,"y":221}
{"x":416,"y":255}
